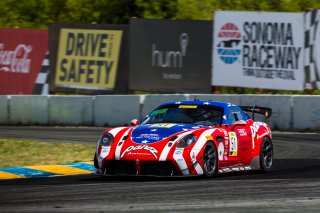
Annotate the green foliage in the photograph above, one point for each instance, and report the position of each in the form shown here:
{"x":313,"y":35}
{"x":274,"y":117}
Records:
{"x":40,"y":13}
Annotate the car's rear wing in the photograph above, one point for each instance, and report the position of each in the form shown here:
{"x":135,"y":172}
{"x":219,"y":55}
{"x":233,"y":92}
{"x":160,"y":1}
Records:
{"x":267,"y":112}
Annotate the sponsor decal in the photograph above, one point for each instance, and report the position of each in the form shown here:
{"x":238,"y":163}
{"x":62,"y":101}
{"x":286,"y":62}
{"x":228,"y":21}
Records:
{"x":164,"y":125}
{"x":233,"y":149}
{"x":193,"y":157}
{"x":149,"y":136}
{"x":178,"y":152}
{"x":152,"y":150}
{"x":220,"y":151}
{"x":235,"y":169}
{"x":105,"y":149}
{"x":247,"y":168}
{"x":242,"y":132}
{"x":188,"y":106}
{"x":88,"y":58}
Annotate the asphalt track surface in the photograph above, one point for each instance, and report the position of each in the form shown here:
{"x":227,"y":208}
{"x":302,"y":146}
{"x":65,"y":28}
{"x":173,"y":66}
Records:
{"x":292,"y":186}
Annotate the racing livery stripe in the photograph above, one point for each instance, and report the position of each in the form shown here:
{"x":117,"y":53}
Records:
{"x":178,"y":157}
{"x":198,"y":168}
{"x":201,"y":142}
{"x":166,"y":150}
{"x":118,"y":149}
{"x":115,"y":131}
{"x":198,"y":146}
{"x":104,"y":153}
{"x":7,"y":175}
{"x":60,"y":169}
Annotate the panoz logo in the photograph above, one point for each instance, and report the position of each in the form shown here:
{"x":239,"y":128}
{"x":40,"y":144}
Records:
{"x":228,"y":44}
{"x":150,"y":149}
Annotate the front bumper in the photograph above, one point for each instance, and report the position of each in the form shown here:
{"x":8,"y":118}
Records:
{"x":148,"y":168}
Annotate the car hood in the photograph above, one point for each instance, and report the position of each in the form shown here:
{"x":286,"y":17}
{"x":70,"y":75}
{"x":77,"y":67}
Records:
{"x":151,"y":133}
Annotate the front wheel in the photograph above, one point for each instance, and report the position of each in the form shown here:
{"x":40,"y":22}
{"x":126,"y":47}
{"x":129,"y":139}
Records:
{"x":266,"y":155}
{"x":210,"y":160}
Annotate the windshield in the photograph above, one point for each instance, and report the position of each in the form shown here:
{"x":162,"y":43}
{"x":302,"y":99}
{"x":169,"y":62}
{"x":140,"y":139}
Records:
{"x":193,"y":114}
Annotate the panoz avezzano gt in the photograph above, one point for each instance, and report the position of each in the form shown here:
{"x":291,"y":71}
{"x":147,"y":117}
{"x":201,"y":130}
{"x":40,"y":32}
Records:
{"x":188,"y":138}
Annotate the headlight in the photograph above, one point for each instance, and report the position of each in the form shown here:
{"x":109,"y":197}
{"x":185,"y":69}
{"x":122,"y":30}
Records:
{"x":106,"y":139}
{"x":187,"y":140}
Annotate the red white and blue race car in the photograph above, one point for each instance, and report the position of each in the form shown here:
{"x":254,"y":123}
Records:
{"x":188,"y":138}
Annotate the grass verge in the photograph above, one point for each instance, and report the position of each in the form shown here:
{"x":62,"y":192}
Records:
{"x":28,"y":153}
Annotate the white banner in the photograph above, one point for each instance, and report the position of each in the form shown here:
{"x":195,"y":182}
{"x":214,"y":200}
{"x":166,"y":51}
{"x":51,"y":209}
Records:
{"x":258,"y":50}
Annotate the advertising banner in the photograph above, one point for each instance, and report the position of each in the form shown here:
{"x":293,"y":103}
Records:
{"x":21,"y":54}
{"x":312,"y":49}
{"x":258,"y":50}
{"x":87,"y":57}
{"x":170,"y":55}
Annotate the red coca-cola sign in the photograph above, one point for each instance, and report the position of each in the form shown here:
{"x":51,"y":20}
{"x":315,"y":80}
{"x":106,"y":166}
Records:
{"x":21,"y":54}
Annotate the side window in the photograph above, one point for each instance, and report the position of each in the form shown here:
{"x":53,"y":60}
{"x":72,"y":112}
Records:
{"x":231,"y":118}
{"x":234,"y":115}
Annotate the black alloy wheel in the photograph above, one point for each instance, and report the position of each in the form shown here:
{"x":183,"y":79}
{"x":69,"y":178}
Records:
{"x":210,"y":160}
{"x":266,"y":155}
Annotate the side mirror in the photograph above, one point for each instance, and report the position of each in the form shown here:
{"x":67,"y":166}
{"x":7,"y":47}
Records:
{"x":238,"y":123}
{"x":134,"y":122}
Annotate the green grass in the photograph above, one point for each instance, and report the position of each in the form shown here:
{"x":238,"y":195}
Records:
{"x":28,"y":153}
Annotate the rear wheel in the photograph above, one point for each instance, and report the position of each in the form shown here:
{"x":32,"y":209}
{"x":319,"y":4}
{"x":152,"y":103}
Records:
{"x":210,"y":160}
{"x":266,"y":155}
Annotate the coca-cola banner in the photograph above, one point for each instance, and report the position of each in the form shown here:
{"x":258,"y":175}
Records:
{"x":86,"y":58}
{"x":21,"y":55}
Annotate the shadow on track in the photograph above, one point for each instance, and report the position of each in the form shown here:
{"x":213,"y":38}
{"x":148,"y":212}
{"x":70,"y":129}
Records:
{"x":283,"y":169}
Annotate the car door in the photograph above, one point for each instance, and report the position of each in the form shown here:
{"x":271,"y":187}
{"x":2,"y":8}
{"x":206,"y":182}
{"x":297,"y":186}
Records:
{"x":240,"y":140}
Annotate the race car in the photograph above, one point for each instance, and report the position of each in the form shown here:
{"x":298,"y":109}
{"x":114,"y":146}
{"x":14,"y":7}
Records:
{"x":188,"y":138}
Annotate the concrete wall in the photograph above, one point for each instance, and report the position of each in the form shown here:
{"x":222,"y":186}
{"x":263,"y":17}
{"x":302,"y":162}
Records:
{"x":4,"y":114}
{"x":306,"y":112}
{"x":116,"y":110}
{"x":71,"y":110}
{"x":289,"y":112}
{"x":28,"y":110}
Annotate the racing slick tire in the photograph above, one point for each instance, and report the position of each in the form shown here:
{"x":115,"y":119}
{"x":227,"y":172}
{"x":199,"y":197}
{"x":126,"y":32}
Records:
{"x":210,"y":160}
{"x":266,"y":155}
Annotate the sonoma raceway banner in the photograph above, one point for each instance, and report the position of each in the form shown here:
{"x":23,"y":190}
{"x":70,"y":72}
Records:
{"x":22,"y":52}
{"x":86,"y":58}
{"x":258,"y":50}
